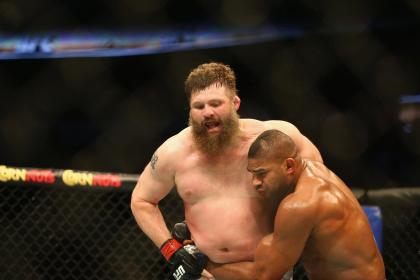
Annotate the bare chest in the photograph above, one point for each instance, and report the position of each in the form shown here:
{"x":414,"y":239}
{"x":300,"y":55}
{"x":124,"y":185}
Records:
{"x":197,"y":179}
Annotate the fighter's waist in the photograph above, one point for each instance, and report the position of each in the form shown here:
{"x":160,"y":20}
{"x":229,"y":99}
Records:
{"x":226,"y":249}
{"x":226,"y":255}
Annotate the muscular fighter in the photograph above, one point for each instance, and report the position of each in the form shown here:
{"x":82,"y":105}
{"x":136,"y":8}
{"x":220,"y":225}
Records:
{"x":207,"y":163}
{"x":317,"y":218}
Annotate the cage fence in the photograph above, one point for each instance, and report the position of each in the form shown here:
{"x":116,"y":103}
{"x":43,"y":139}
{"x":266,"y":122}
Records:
{"x":83,"y":232}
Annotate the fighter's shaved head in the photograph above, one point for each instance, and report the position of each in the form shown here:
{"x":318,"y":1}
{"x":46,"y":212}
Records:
{"x":273,"y":144}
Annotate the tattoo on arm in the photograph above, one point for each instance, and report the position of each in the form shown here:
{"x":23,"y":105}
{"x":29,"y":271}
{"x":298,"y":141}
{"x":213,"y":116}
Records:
{"x":153,"y":161}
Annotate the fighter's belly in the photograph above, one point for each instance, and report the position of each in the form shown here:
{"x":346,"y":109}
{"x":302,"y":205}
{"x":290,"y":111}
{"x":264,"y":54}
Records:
{"x":228,"y":229}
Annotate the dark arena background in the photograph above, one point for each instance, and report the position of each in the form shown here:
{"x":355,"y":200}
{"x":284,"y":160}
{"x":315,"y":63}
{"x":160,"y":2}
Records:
{"x":89,"y":90}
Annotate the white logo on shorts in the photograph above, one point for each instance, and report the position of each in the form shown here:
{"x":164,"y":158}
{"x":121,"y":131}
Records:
{"x":179,"y":272}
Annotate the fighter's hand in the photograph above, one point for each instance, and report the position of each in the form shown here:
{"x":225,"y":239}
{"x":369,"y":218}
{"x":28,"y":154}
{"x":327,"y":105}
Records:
{"x":187,"y":261}
{"x":205,"y":275}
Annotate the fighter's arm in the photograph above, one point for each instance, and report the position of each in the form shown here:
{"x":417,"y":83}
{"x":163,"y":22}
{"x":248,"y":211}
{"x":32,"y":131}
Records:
{"x":154,"y":183}
{"x":306,"y":148}
{"x":278,"y":254}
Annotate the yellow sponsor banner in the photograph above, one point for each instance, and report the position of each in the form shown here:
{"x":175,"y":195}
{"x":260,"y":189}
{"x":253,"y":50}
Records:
{"x":12,"y":174}
{"x":71,"y":178}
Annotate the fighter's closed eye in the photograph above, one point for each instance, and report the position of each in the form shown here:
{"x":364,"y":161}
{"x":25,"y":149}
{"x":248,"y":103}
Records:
{"x":215,"y":103}
{"x":259,"y":174}
{"x":198,"y":105}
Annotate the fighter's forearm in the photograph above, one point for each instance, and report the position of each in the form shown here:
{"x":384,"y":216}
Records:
{"x":150,"y":220}
{"x":232,"y":271}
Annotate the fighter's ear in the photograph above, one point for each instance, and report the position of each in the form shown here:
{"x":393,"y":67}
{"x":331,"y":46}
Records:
{"x":236,"y":102}
{"x":290,"y":165}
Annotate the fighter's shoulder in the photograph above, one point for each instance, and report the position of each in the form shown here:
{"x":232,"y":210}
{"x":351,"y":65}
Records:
{"x":175,"y":145}
{"x":308,"y":195}
{"x":321,"y":193}
{"x":298,"y":208}
{"x":253,"y":124}
{"x":300,"y":201}
{"x":281,"y":125}
{"x":268,"y":124}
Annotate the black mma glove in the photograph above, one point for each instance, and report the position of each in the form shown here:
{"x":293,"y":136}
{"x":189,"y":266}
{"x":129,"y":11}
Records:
{"x":187,"y":261}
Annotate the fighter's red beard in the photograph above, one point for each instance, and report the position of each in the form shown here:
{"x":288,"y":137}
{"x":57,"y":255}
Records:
{"x":215,"y":144}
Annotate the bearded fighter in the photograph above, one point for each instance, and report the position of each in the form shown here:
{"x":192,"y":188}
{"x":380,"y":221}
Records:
{"x":207,"y":163}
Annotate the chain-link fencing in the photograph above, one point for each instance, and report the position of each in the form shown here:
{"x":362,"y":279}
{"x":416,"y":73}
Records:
{"x":63,"y":233}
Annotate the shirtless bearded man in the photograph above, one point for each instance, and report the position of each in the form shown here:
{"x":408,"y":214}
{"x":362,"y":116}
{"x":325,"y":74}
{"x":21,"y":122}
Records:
{"x":207,"y":163}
